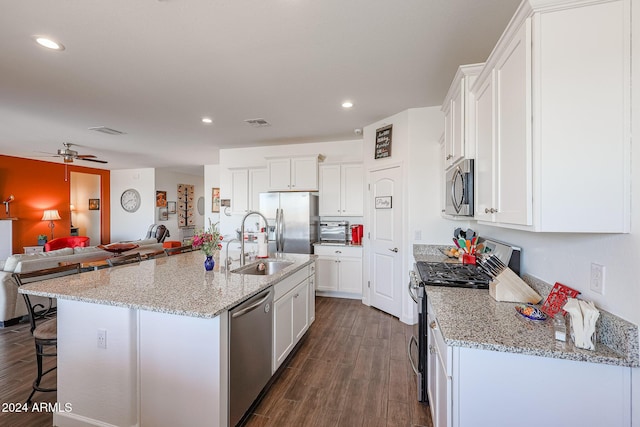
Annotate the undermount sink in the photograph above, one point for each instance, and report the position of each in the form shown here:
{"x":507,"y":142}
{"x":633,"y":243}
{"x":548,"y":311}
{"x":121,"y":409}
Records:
{"x":262,"y":268}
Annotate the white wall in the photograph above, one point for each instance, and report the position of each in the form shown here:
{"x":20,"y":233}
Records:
{"x":132,"y":226}
{"x":168,"y":180}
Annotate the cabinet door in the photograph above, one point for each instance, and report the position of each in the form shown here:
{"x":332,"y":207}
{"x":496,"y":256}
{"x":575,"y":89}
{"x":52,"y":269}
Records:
{"x":484,"y":139}
{"x":458,"y":124}
{"x":239,"y":191}
{"x":300,"y":308}
{"x":448,"y":134}
{"x":330,"y":190}
{"x":350,"y":275}
{"x":279,"y":174}
{"x":304,"y":174}
{"x":442,"y":387}
{"x":513,"y":130}
{"x":352,"y":194}
{"x":327,"y":273}
{"x":258,"y":183}
{"x":282,"y":329}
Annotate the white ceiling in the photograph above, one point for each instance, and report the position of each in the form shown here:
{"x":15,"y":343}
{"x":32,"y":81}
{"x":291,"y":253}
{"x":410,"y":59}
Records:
{"x":153,"y":68}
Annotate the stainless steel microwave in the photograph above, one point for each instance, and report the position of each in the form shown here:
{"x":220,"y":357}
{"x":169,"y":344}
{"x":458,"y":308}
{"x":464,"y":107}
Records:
{"x":459,"y":189}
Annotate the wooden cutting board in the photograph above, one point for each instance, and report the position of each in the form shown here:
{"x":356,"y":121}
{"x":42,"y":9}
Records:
{"x":507,"y":286}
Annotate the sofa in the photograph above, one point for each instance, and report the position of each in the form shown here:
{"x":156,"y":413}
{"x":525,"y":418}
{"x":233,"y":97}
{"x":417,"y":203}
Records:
{"x":12,"y":307}
{"x":67,"y":242}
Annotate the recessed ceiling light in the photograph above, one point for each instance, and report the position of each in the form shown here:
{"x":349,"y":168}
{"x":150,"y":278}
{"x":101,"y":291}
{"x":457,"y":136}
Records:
{"x":207,"y":120}
{"x":347,"y":104}
{"x":48,"y":43}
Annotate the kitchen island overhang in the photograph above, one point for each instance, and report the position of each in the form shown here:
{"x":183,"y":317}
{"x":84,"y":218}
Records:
{"x":167,"y":343}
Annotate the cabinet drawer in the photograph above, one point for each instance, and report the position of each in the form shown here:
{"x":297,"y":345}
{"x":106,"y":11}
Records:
{"x":341,"y":251}
{"x":281,"y":288}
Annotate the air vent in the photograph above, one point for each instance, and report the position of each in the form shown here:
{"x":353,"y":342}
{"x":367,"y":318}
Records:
{"x":258,"y":123}
{"x":107,"y":130}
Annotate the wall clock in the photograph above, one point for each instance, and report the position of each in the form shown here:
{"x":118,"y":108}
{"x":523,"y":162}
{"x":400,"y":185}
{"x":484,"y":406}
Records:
{"x":130,"y":200}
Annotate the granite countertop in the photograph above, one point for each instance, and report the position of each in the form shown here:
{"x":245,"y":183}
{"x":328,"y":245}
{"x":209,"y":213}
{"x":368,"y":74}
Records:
{"x":177,"y":284}
{"x":472,"y":318}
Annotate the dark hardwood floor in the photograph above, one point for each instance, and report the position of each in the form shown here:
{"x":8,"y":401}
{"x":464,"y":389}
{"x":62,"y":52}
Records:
{"x":351,"y":370}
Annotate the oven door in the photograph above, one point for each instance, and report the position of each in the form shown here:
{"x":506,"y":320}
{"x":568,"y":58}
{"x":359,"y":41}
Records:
{"x":416,"y":349}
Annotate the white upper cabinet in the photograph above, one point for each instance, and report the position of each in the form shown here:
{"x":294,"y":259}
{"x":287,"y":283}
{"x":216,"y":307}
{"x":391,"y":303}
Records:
{"x":341,"y":190}
{"x":456,"y":108}
{"x":551,"y":120}
{"x":246,"y":186}
{"x":293,"y":173}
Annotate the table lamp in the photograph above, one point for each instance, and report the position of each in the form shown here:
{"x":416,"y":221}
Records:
{"x":51,"y":215}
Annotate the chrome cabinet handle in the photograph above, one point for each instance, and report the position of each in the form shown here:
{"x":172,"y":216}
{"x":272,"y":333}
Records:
{"x":449,"y":157}
{"x":394,"y":250}
{"x":433,"y":324}
{"x":492,"y":210}
{"x":432,"y":349}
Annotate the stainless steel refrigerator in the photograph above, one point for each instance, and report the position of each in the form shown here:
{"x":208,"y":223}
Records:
{"x":293,"y":221}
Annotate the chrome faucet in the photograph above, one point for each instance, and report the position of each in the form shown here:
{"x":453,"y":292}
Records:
{"x":228,"y":260}
{"x":266,"y":224}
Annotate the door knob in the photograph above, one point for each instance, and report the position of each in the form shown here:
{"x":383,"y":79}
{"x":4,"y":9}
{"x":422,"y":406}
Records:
{"x":394,"y":250}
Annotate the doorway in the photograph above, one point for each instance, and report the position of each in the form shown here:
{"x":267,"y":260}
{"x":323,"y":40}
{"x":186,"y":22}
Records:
{"x":87,"y":205}
{"x":385,"y":218}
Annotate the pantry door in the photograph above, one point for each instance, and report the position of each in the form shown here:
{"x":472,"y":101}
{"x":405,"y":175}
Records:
{"x":385,"y":263}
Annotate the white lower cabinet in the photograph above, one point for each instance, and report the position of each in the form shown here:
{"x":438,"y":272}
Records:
{"x":293,"y":313}
{"x":470,"y":387}
{"x":339,"y":269}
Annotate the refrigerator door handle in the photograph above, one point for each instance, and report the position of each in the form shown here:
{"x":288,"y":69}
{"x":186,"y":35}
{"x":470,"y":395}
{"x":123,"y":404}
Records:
{"x":281,"y":237}
{"x":278,"y":225}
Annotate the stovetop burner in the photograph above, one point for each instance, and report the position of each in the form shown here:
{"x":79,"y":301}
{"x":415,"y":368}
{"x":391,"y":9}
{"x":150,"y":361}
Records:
{"x":452,"y":274}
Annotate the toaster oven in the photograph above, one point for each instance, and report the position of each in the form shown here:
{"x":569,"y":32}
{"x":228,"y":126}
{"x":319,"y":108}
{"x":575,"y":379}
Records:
{"x":333,"y":231}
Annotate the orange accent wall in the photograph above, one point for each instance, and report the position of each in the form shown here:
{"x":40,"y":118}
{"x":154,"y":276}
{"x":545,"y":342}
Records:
{"x":38,"y":185}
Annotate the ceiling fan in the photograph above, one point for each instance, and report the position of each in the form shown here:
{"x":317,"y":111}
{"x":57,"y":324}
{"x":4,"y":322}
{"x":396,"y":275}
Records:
{"x":70,"y":155}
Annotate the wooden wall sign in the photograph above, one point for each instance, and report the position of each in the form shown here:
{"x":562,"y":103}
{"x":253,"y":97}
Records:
{"x":383,"y":142}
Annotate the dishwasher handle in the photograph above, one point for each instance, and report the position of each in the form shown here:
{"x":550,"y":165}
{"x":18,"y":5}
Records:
{"x":252,"y":307}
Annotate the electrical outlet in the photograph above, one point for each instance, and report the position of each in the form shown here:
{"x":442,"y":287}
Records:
{"x":102,"y":338}
{"x":597,"y":278}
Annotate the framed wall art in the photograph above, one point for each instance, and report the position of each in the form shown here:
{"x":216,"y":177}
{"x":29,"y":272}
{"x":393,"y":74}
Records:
{"x":163,"y":214}
{"x":215,"y":199}
{"x":383,"y":202}
{"x":94,"y":204}
{"x":161,"y":199}
{"x":171,"y":207}
{"x":383,"y":142}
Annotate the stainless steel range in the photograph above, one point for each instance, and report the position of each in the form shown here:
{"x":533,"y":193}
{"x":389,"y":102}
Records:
{"x":450,"y":274}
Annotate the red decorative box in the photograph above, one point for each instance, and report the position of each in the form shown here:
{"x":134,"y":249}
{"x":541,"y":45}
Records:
{"x":557,"y":298}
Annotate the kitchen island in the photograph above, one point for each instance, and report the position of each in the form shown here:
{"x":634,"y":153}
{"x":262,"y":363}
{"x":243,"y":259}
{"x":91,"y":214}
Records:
{"x":483,"y":355}
{"x":166,"y":327}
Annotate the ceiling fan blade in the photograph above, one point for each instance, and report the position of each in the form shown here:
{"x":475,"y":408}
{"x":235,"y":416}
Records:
{"x":84,"y":156}
{"x":92,"y":160}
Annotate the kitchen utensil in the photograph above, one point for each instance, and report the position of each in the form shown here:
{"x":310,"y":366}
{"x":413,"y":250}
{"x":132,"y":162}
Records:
{"x":455,"y":241}
{"x":506,"y":285}
{"x":456,"y":233}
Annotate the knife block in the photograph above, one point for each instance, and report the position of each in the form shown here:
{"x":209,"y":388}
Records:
{"x":508,"y":287}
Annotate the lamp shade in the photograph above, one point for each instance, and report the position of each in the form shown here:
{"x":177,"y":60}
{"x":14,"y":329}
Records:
{"x":51,"y":215}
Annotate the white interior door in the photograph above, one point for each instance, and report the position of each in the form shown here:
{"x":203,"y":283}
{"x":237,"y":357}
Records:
{"x":385,"y":267}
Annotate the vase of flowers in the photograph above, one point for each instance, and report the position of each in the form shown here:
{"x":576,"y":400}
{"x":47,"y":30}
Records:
{"x":209,"y":242}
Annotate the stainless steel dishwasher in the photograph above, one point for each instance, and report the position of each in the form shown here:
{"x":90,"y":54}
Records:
{"x":250,"y":352}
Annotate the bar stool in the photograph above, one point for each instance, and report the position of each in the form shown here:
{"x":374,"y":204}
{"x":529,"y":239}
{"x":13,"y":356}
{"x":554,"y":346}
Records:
{"x":45,"y":332}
